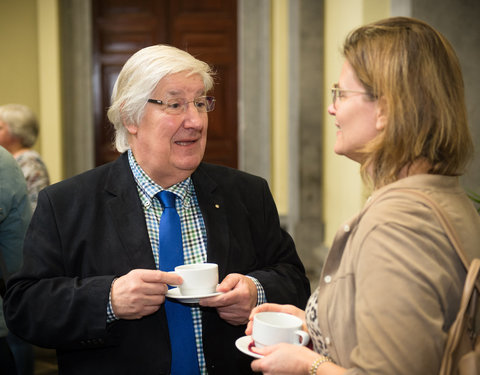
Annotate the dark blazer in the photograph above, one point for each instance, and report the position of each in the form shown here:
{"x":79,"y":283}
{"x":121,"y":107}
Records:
{"x":89,"y":229}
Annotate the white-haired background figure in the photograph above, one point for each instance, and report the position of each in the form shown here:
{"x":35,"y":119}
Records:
{"x":18,"y":133}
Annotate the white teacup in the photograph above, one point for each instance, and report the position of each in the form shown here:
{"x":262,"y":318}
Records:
{"x":198,"y":279}
{"x":270,"y":328}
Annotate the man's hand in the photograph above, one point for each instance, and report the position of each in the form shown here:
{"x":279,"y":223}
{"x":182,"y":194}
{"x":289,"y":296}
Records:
{"x":141,"y":292}
{"x":240,"y":296}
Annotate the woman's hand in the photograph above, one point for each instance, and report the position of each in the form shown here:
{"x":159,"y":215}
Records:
{"x":289,"y":309}
{"x":284,"y":359}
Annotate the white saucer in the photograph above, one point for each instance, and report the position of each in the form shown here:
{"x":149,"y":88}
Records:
{"x":175,"y":294}
{"x":243,"y":343}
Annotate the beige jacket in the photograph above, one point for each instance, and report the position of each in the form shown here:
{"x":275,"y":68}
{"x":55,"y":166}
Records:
{"x":391,"y":284}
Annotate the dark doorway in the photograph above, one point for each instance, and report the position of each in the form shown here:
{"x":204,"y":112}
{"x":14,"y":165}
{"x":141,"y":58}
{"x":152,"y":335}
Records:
{"x":207,"y":29}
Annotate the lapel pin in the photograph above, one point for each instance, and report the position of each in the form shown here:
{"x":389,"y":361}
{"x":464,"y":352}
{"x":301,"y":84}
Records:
{"x":217,"y":205}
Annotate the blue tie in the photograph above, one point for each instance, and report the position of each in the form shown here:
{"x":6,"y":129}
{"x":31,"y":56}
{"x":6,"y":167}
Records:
{"x":180,"y":323}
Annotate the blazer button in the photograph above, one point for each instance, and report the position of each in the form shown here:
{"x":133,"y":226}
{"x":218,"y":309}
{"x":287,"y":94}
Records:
{"x":327,"y":279}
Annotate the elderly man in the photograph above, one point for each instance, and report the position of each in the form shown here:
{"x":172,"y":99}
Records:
{"x":94,"y":281}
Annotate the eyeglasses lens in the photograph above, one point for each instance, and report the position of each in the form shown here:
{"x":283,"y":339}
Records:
{"x":178,"y":106}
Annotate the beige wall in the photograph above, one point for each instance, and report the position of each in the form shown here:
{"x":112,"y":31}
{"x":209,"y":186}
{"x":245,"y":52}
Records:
{"x":30,"y":70}
{"x":343,"y":190}
{"x":18,"y":65}
{"x":50,"y":87}
{"x":280,"y":105}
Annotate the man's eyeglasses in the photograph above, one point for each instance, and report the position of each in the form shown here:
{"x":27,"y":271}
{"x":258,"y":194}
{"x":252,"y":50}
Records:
{"x":338,"y":93}
{"x":177,"y":106}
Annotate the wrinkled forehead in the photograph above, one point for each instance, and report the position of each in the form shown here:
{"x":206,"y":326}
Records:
{"x":181,"y":84}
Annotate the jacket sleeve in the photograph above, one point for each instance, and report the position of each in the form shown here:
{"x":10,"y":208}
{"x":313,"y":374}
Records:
{"x":15,"y":215}
{"x":46,"y":302}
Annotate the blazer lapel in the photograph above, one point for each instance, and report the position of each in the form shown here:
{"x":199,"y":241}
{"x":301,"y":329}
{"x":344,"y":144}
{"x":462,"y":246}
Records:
{"x":211,"y":203}
{"x":127,"y":214}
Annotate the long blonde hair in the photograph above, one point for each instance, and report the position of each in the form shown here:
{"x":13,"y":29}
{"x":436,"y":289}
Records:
{"x":414,"y":72}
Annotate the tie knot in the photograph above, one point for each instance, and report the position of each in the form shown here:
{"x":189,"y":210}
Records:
{"x":167,"y":198}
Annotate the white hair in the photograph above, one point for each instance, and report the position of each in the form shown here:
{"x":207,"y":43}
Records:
{"x":21,"y":122}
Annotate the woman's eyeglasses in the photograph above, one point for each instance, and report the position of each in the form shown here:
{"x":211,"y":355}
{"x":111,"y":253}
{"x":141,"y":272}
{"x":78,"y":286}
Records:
{"x":338,"y":93}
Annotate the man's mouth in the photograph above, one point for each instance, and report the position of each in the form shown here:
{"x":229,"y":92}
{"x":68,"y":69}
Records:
{"x":185,"y":143}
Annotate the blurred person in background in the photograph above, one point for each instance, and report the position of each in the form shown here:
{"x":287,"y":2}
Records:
{"x":15,"y":215}
{"x":18,"y":133}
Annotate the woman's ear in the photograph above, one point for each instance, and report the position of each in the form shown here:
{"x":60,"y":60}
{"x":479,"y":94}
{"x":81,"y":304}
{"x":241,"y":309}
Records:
{"x":382,"y":114}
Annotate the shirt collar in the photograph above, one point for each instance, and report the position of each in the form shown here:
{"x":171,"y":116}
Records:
{"x":148,"y":188}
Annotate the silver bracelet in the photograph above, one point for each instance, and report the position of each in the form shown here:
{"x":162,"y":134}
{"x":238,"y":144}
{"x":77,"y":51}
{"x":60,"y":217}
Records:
{"x":317,"y":363}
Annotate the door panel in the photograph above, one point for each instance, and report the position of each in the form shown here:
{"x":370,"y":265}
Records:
{"x":206,"y":29}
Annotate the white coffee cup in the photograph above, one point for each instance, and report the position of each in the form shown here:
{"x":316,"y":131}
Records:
{"x":270,"y":328}
{"x":198,"y":279}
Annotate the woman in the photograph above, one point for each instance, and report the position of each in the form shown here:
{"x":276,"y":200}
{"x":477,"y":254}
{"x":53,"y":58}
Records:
{"x":391,"y":284}
{"x":18,"y":133}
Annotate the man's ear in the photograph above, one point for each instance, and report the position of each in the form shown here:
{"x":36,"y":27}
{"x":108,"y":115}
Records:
{"x":131,"y":128}
{"x":382,"y":114}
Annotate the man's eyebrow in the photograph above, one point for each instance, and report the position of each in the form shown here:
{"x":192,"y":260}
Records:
{"x":174,"y":92}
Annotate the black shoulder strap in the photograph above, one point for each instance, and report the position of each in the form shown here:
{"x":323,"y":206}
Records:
{"x":4,"y":276}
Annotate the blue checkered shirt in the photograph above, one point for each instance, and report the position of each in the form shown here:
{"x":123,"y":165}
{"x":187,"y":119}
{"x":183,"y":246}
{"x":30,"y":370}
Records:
{"x":194,"y":235}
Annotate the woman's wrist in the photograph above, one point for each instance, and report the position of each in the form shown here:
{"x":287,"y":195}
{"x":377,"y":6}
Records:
{"x":316,"y":364}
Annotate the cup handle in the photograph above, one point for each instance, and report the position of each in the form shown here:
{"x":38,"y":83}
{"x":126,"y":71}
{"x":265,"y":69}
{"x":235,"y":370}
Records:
{"x":302,"y":338}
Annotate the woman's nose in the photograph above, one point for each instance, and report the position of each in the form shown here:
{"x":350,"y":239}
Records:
{"x":331,"y":110}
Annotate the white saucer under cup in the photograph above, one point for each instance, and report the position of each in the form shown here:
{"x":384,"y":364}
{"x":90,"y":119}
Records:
{"x":175,"y":294}
{"x":243,"y":344}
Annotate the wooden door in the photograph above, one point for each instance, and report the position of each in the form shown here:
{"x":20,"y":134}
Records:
{"x":206,"y":29}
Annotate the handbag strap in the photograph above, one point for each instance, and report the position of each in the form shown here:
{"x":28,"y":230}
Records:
{"x":464,"y":324}
{"x":467,"y":317}
{"x":447,"y":226}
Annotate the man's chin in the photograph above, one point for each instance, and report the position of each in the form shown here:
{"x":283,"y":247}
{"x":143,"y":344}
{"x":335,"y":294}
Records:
{"x":189,"y":165}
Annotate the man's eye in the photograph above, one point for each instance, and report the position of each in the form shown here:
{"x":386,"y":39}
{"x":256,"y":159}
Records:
{"x":200,"y":103}
{"x":174,"y":104}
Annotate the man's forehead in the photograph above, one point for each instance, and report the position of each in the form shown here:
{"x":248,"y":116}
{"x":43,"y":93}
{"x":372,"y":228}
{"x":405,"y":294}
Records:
{"x":181,"y":83}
